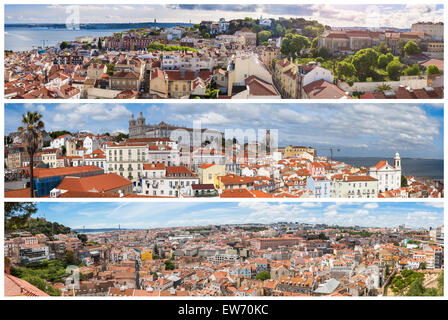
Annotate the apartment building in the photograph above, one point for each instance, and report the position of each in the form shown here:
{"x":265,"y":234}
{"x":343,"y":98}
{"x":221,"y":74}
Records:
{"x":126,"y":160}
{"x":167,"y":181}
{"x":353,"y":186}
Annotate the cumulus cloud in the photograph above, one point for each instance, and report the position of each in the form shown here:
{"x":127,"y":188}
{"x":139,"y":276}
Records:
{"x":173,"y":214}
{"x":358,"y":129}
{"x":401,"y":16}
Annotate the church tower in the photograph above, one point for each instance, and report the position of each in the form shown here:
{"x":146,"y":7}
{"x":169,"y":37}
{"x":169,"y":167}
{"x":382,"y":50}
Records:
{"x":397,"y":161}
{"x":141,"y":124}
{"x":132,"y":124}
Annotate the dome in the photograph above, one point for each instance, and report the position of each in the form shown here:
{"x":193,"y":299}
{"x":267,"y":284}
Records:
{"x":397,"y":155}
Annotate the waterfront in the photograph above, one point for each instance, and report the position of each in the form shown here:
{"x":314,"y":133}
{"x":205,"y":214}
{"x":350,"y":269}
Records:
{"x":431,"y":168}
{"x":23,"y":38}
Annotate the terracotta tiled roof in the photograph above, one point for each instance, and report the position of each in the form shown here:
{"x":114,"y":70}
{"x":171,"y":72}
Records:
{"x":206,"y":165}
{"x":45,"y":172}
{"x":258,"y":87}
{"x":99,"y":183}
{"x":236,"y":193}
{"x":322,"y":89}
{"x":20,"y":193}
{"x":153,"y":166}
{"x":17,"y":287}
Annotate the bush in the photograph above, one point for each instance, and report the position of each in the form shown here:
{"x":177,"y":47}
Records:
{"x":432,"y":69}
{"x":264,"y":275}
{"x":384,"y":60}
{"x":411,"y":48}
{"x":413,"y":70}
{"x":394,"y":70}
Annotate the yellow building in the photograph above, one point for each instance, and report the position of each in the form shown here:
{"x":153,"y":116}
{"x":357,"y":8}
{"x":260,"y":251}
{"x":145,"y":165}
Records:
{"x":158,"y":84}
{"x":15,"y":156}
{"x":49,"y":157}
{"x":295,"y":151}
{"x":147,"y":256}
{"x":285,"y":76}
{"x":70,"y":148}
{"x":208,"y":171}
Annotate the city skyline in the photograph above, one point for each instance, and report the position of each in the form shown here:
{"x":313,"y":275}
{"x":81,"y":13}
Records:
{"x":128,"y":215}
{"x":352,"y":15}
{"x":357,"y":129}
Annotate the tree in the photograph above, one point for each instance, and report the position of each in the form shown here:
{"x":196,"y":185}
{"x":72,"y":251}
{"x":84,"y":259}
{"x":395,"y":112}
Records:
{"x":382,"y":48}
{"x":42,"y":285}
{"x":364,"y":60}
{"x":413,"y":70}
{"x":100,"y":44}
{"x":257,"y":28}
{"x":411,"y":48}
{"x":416,"y":288}
{"x":394,"y":70}
{"x":110,"y":68}
{"x":404,"y":181}
{"x":83,"y":238}
{"x":64,"y":45}
{"x":384,"y":60}
{"x":347,"y":69}
{"x":156,"y":46}
{"x":31,"y":134}
{"x":55,"y":134}
{"x":293,"y":44}
{"x":263,"y":36}
{"x":324,"y":52}
{"x":63,"y":150}
{"x":70,"y":257}
{"x":383,"y":87}
{"x":264,"y":275}
{"x":279,"y":30}
{"x":432,"y":69}
{"x":17,"y":214}
{"x":169,"y":265}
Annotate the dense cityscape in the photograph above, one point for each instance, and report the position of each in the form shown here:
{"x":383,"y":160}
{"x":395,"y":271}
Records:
{"x":188,"y":197}
{"x":277,"y":259}
{"x":165,"y":160}
{"x":289,"y":58}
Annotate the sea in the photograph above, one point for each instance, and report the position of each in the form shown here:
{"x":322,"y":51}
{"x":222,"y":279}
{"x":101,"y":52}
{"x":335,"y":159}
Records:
{"x":29,"y":37}
{"x":431,"y":168}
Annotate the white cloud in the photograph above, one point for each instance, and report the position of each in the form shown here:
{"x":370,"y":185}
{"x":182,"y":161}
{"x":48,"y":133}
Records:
{"x":371,"y":205}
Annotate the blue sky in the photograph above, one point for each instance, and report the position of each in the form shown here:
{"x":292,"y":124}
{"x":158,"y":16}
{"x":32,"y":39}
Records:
{"x":173,"y":214}
{"x":363,"y":129}
{"x":386,"y":15}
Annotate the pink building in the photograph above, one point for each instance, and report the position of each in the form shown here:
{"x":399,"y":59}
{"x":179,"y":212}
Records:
{"x":315,"y":168}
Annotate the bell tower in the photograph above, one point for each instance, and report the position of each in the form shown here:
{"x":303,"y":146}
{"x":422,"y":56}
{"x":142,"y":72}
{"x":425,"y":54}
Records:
{"x":132,"y":124}
{"x":397,"y":161}
{"x":141,"y":124}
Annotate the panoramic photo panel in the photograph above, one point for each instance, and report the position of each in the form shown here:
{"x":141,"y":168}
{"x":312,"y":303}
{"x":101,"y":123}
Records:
{"x":232,"y":249}
{"x":158,"y":150}
{"x":270,"y":51}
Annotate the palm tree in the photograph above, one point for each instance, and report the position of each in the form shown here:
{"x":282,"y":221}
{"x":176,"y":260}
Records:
{"x":383,"y":87}
{"x":31,"y":134}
